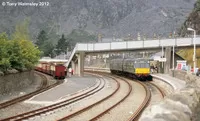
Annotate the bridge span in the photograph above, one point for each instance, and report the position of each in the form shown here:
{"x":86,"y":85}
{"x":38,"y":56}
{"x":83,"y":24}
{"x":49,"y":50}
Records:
{"x":78,"y":53}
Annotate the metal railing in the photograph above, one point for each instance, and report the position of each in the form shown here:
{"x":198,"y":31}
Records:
{"x":71,"y":56}
{"x":127,"y":45}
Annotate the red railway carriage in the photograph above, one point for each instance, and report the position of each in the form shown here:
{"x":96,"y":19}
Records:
{"x":53,"y":68}
{"x":38,"y":67}
{"x":44,"y":67}
{"x":58,"y":71}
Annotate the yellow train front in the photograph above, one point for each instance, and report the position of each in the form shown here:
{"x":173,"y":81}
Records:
{"x":138,"y":68}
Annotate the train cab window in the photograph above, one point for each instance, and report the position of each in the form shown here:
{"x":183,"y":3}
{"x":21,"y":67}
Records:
{"x":143,"y":65}
{"x":137,"y":65}
{"x":147,"y":65}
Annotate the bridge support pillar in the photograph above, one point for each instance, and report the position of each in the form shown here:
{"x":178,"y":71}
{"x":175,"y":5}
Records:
{"x":168,"y":59}
{"x":74,"y":67}
{"x":81,"y":58}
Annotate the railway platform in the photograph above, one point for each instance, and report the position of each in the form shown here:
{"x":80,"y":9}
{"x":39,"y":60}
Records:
{"x":176,"y":83}
{"x":70,"y":86}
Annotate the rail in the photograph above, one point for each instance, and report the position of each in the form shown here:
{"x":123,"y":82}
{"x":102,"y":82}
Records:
{"x":43,"y":87}
{"x":52,"y":107}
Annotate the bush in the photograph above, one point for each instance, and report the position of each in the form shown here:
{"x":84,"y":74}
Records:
{"x":17,"y":54}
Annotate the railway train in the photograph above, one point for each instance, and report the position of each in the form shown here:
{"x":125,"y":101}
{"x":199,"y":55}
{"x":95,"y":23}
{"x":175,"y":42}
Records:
{"x":136,"y":68}
{"x":51,"y":67}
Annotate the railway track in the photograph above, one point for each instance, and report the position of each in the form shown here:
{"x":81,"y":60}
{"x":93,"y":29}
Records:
{"x":122,"y":83}
{"x":97,"y":104}
{"x":51,"y":108}
{"x":154,"y":94}
{"x":43,"y":87}
{"x":161,"y":91}
{"x":82,"y":114}
{"x":127,"y":90}
{"x":166,"y":87}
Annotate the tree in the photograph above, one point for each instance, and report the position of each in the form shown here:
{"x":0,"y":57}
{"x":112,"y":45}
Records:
{"x":43,"y":44}
{"x":22,"y":52}
{"x":79,"y":36}
{"x":4,"y":56}
{"x":22,"y":31}
{"x":29,"y":54}
{"x":61,"y":45}
{"x":47,"y":48}
{"x":197,"y":6}
{"x":42,"y":37}
{"x":19,"y":52}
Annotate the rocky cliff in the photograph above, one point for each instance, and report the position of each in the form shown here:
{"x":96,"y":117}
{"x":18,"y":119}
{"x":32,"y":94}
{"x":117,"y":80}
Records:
{"x":109,"y":17}
{"x":193,"y":21}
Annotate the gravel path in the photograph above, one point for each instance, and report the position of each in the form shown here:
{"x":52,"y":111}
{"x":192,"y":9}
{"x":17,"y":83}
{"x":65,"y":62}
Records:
{"x":125,"y":109}
{"x":72,"y":85}
{"x":168,"y":89}
{"x":96,"y":110}
{"x":110,"y":86}
{"x":156,"y":95}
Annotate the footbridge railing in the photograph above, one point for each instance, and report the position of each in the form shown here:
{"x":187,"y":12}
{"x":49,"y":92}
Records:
{"x":131,"y":45}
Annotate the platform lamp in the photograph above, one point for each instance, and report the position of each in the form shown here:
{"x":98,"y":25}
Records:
{"x":194,"y":55}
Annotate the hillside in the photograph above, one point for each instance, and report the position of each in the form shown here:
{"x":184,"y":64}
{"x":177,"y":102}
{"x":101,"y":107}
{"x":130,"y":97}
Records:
{"x":192,"y":21}
{"x":108,"y":17}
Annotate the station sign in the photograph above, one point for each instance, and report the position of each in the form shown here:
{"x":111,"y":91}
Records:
{"x":156,"y":58}
{"x":181,"y":64}
{"x":163,"y":60}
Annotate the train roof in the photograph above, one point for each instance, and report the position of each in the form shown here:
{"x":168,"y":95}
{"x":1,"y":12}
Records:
{"x":137,"y":58}
{"x":53,"y":60}
{"x":118,"y":59}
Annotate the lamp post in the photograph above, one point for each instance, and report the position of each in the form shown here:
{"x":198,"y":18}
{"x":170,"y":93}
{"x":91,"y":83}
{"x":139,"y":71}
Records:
{"x":194,"y":55}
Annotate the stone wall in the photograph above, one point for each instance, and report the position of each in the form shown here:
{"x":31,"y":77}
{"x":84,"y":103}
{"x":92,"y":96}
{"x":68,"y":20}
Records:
{"x":16,"y":81}
{"x":183,"y":75}
{"x":182,"y":105}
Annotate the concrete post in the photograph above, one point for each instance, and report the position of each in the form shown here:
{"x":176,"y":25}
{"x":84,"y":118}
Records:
{"x":81,"y":58}
{"x":74,"y":67}
{"x":168,"y":59}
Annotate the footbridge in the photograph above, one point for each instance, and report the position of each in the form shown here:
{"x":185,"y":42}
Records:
{"x":77,"y":56}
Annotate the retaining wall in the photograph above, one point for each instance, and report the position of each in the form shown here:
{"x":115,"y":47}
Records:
{"x":16,"y":81}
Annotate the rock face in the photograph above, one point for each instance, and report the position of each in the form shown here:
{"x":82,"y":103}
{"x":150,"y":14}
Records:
{"x":192,"y":21}
{"x":182,"y":105}
{"x":109,"y":17}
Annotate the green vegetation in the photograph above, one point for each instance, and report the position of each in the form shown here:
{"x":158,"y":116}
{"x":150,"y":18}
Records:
{"x":197,"y":6}
{"x":78,"y":36}
{"x":62,"y":45}
{"x":4,"y":55}
{"x":51,"y":47}
{"x":18,"y":52}
{"x":187,"y":54}
{"x":43,"y":44}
